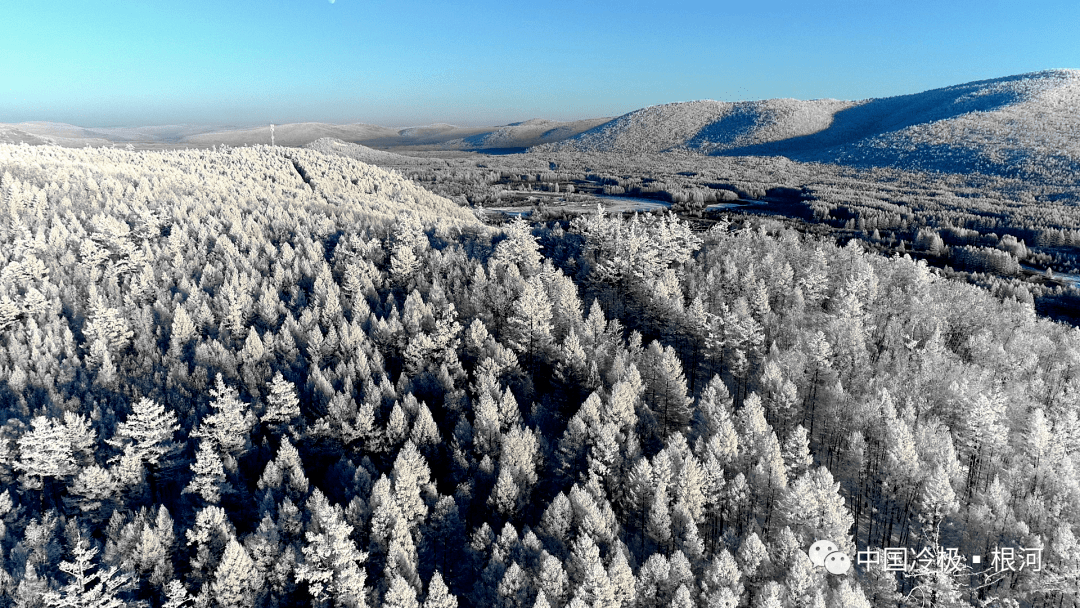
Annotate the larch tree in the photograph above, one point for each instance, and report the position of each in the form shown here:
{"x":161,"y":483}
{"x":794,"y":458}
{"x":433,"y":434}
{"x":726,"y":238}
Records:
{"x":410,"y":476}
{"x":713,"y":407}
{"x":796,"y":452}
{"x":638,"y":491}
{"x":658,"y":523}
{"x":409,"y":240}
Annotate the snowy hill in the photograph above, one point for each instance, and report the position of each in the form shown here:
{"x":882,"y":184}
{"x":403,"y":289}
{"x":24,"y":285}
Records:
{"x":364,"y":154}
{"x":437,"y":136}
{"x":259,"y":179}
{"x":1020,"y":125}
{"x":533,"y":132}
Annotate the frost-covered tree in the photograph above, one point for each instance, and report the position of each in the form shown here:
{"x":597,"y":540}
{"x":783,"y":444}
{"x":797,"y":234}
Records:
{"x":100,"y":589}
{"x":209,"y":480}
{"x":331,"y":566}
{"x":237,"y":584}
{"x":282,"y":404}
{"x":146,"y":437}
{"x":229,"y":427}
{"x":438,"y":595}
{"x":46,"y":453}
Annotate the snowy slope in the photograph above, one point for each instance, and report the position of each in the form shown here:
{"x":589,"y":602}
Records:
{"x":1026,"y":125}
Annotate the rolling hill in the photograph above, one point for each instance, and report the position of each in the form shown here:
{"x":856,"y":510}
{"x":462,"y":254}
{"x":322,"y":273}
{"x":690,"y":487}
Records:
{"x":535,"y":132}
{"x":1024,"y":125}
{"x":437,"y":136}
{"x":364,"y":154}
{"x":441,"y":136}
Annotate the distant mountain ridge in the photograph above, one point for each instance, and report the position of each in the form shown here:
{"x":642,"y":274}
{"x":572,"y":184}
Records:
{"x":516,"y":136}
{"x":1028,"y":124}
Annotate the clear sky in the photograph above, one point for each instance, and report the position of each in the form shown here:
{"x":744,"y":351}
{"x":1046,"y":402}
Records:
{"x":481,"y":62}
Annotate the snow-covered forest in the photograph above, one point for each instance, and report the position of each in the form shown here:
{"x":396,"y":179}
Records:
{"x":277,"y":377}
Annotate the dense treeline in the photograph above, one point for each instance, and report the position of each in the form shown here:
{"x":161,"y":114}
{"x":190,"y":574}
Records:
{"x":892,"y":211}
{"x":266,"y":377}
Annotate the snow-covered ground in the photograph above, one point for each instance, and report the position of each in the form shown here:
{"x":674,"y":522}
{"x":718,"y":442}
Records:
{"x":1024,"y":125}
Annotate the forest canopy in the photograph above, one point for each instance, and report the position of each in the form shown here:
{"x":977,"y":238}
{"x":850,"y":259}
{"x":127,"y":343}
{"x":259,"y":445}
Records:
{"x":276,"y":377}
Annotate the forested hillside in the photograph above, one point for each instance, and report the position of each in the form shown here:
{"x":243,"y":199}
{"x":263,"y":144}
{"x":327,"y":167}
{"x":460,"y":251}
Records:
{"x":266,"y":377}
{"x":1023,"y":125}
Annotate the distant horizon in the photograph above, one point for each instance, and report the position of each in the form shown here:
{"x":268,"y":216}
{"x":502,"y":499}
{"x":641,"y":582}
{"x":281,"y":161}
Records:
{"x":115,"y":64}
{"x":209,"y":126}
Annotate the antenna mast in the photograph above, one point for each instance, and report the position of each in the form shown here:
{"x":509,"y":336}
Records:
{"x":272,"y":134}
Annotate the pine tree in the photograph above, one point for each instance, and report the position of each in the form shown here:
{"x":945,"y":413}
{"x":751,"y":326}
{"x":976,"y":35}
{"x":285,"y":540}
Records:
{"x":770,"y":596}
{"x":652,"y":582}
{"x":93,"y":490}
{"x":796,"y":452}
{"x":209,"y":536}
{"x":621,"y":576}
{"x":148,"y":432}
{"x":936,"y":501}
{"x":801,"y":579}
{"x":176,"y":595}
{"x":438,"y":595}
{"x":400,"y":594}
{"x":814,"y":510}
{"x":520,"y":247}
{"x":592,"y":585}
{"x":410,"y":475}
{"x":530,"y":324}
{"x":282,"y":404}
{"x":552,"y":580}
{"x":209,"y":480}
{"x":230,"y":426}
{"x":236,"y":584}
{"x":45,"y":452}
{"x":331,"y":566}
{"x":513,"y":588}
{"x":753,"y":557}
{"x":92,"y":590}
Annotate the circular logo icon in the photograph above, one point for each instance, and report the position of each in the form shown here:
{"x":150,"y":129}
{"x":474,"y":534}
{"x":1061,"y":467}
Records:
{"x":819,"y":550}
{"x":837,"y":563}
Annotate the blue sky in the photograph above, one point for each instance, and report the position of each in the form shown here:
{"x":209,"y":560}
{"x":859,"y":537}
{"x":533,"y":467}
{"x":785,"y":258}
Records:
{"x":479,"y":62}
